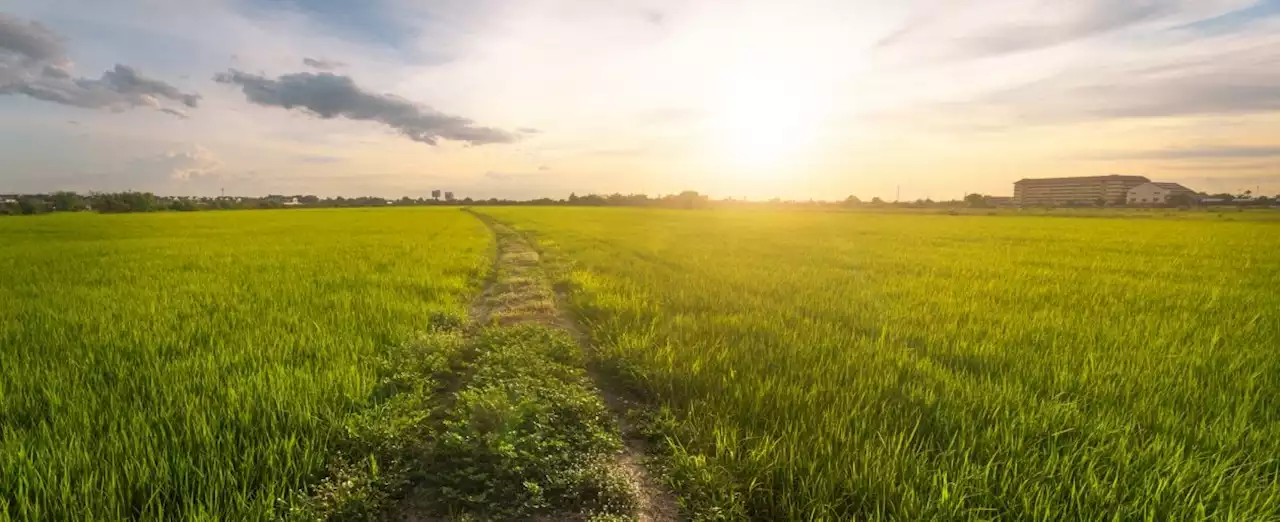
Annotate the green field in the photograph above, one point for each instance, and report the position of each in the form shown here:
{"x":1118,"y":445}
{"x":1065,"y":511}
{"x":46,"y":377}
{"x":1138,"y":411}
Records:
{"x":201,"y":365}
{"x":836,"y":366}
{"x":790,"y":365}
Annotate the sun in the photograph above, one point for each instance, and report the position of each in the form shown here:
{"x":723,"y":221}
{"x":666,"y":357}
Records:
{"x":763,"y":123}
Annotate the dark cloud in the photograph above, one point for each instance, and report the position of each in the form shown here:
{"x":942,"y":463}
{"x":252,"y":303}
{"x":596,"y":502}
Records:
{"x":323,"y":64}
{"x":118,"y":89}
{"x":174,"y":112}
{"x":328,"y":96}
{"x":126,"y":80}
{"x":33,"y":63}
{"x":528,"y":130}
{"x":1195,"y":153}
{"x":30,"y":40}
{"x":55,"y":72}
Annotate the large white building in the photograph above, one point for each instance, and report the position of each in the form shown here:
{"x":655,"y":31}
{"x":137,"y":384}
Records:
{"x":1156,"y":193}
{"x":1086,"y":190}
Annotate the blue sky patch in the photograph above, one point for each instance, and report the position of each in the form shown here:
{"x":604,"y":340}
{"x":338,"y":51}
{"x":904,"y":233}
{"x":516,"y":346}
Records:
{"x":369,"y":21}
{"x":1239,"y":18}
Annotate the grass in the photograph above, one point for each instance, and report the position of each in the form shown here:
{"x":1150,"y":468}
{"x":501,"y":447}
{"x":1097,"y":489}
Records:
{"x":495,"y":423}
{"x":206,"y":366}
{"x":835,"y":366}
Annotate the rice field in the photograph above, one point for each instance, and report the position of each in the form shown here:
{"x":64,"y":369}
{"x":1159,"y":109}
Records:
{"x":841,"y":366}
{"x":798,"y":365}
{"x":199,"y":366}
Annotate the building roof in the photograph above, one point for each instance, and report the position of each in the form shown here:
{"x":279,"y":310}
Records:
{"x":1110,"y":177}
{"x":1171,"y":186}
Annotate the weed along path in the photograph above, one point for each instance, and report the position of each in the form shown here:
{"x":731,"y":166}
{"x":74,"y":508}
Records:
{"x":517,"y":429}
{"x":521,"y":291}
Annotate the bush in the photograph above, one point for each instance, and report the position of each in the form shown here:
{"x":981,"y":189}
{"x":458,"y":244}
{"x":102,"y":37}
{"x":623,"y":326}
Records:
{"x":33,"y":205}
{"x":120,"y":202}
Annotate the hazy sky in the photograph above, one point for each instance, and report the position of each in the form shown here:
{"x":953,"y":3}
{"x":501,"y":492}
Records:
{"x":529,"y":98}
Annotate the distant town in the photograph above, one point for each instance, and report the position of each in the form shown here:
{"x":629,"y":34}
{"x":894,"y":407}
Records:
{"x":1113,"y":190}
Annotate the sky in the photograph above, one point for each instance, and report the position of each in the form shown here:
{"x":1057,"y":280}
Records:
{"x":798,"y":99}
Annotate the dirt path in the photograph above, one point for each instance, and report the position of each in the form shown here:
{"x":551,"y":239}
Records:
{"x":520,"y":291}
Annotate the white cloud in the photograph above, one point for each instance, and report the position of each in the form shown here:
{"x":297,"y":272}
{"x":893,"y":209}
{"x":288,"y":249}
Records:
{"x":186,"y":163}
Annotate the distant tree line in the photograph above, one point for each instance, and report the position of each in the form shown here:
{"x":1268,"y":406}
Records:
{"x":122,"y":202}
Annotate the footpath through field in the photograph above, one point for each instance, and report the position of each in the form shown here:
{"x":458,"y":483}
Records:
{"x":527,"y":434}
{"x":520,"y":291}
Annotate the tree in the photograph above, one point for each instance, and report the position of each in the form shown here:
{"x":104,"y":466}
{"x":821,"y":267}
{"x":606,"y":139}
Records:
{"x":183,"y":205}
{"x":852,"y":200}
{"x":32,"y":205}
{"x":67,"y":201}
{"x":1181,"y":200}
{"x":690,"y":199}
{"x":125,"y":202}
{"x":976,"y":200}
{"x":877,"y":201}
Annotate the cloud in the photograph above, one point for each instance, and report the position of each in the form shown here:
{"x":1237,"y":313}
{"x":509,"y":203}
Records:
{"x":323,"y":64}
{"x":30,"y":40}
{"x":962,"y":30}
{"x":1097,"y":17}
{"x":33,"y":63}
{"x":328,"y":96}
{"x":184,"y":164}
{"x":1230,"y":166}
{"x":1195,"y":153}
{"x":126,"y":81}
{"x":1227,"y":76}
{"x":1065,"y":99}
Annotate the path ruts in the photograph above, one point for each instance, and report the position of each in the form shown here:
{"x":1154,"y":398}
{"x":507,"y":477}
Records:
{"x":520,"y":291}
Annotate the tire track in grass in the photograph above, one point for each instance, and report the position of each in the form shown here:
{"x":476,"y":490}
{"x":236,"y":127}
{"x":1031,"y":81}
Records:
{"x":517,"y":429}
{"x":522,"y":293}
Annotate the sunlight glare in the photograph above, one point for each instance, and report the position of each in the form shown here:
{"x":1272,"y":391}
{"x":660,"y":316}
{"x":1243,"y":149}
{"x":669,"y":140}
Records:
{"x":765,"y":120}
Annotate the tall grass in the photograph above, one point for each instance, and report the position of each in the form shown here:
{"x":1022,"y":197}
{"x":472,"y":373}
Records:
{"x":197,"y":366}
{"x":915,"y":367}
